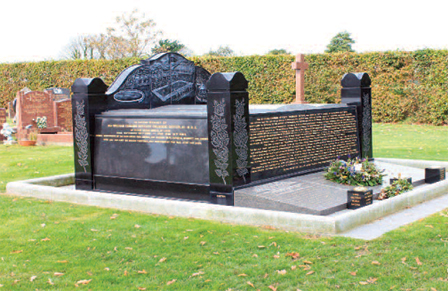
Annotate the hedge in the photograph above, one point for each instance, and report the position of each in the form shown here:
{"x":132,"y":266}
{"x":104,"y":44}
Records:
{"x":406,"y":86}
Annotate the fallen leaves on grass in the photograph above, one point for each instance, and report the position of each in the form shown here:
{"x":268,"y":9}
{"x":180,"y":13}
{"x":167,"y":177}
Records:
{"x":376,"y":263}
{"x":45,"y":239}
{"x":137,"y":226}
{"x":203,"y":243}
{"x":197,"y":274}
{"x":128,"y":248}
{"x":368,"y":281}
{"x":58,"y":274}
{"x":83,"y":282}
{"x":242,"y":275}
{"x":50,"y":282}
{"x":63,"y":262}
{"x":272,"y":288}
{"x":141,"y":288}
{"x":308,"y":262}
{"x":293,"y":267}
{"x":33,"y":278}
{"x":310,"y":272}
{"x":142,"y":272}
{"x":418,"y":261}
{"x":171,"y":282}
{"x":17,"y":252}
{"x":293,"y":255}
{"x":282,"y":272}
{"x":250,"y":284}
{"x":162,"y":260}
{"x":353,"y":273}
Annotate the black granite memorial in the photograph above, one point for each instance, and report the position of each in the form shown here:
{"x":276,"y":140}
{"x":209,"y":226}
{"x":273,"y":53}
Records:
{"x":434,"y":174}
{"x":164,"y":79}
{"x":165,"y":128}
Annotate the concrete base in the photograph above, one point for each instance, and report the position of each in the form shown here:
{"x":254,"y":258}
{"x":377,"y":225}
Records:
{"x":51,"y":188}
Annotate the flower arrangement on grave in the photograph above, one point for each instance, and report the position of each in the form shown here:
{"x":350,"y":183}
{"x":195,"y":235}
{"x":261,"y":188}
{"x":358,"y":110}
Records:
{"x":355,"y":172}
{"x":399,"y":186}
{"x":41,"y":122}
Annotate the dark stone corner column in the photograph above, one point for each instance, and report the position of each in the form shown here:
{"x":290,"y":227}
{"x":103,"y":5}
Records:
{"x":228,"y":129}
{"x":356,"y":91}
{"x":87,"y":95}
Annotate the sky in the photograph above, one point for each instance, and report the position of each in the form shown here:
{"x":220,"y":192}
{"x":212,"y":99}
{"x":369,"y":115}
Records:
{"x":41,"y":30}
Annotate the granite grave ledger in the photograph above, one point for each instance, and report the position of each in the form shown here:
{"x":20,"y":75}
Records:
{"x":166,"y":128}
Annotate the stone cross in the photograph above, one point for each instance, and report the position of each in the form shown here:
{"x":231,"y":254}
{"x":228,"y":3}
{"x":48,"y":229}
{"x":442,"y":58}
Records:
{"x":300,"y":66}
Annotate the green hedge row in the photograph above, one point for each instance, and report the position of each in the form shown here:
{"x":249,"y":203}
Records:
{"x":406,"y":86}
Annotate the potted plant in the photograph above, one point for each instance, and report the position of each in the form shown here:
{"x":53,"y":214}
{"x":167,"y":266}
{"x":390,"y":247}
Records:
{"x":30,"y":138}
{"x":33,"y":130}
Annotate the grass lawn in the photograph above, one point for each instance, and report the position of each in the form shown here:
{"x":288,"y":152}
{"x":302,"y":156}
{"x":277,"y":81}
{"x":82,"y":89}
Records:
{"x":21,"y":163}
{"x":59,"y":246}
{"x":418,"y":142}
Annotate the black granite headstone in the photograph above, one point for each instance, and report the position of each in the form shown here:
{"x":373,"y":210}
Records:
{"x":356,"y":91}
{"x":166,"y":78}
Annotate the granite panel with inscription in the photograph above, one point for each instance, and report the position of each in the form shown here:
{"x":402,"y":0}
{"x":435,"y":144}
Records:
{"x":288,"y":139}
{"x":163,"y":144}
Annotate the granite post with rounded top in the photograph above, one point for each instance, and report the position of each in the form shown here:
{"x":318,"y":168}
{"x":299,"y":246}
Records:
{"x":228,"y":127}
{"x":88,"y":99}
{"x":356,"y":91}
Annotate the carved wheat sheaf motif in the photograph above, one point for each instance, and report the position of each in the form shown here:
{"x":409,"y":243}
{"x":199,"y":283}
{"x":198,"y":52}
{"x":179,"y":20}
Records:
{"x":240,"y":138}
{"x":81,"y":134}
{"x":366,"y":124}
{"x":219,"y":139}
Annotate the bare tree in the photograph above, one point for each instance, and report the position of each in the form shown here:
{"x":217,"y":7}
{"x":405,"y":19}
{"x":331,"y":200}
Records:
{"x":80,"y":48}
{"x":132,"y":36}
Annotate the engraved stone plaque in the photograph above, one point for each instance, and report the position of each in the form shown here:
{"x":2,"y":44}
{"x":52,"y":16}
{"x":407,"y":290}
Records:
{"x":140,"y":144}
{"x":298,"y":140}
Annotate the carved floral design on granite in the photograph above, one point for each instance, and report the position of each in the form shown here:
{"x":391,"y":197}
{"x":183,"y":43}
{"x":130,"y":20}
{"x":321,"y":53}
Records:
{"x":366,"y":124}
{"x":219,"y":139}
{"x":240,"y":138}
{"x":81,"y":134}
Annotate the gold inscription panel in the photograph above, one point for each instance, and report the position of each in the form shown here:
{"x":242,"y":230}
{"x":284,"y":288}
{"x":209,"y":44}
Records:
{"x":158,"y":131}
{"x":289,"y":143}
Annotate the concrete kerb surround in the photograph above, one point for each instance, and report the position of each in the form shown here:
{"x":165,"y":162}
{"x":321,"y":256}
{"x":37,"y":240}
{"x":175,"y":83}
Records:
{"x":49,"y":188}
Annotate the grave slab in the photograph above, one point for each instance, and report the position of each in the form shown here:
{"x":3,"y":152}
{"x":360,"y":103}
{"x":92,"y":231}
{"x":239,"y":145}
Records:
{"x":312,"y":193}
